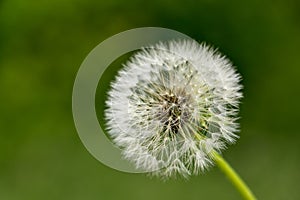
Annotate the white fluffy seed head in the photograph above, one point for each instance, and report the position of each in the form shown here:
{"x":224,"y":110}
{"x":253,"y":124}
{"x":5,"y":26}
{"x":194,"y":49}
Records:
{"x":172,"y":105}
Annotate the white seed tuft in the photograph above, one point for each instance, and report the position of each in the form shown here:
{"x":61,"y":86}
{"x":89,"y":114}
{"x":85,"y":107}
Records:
{"x":173,"y":104}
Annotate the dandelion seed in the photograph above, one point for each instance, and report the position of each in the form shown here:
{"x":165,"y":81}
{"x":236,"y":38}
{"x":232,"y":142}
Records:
{"x":172,"y":105}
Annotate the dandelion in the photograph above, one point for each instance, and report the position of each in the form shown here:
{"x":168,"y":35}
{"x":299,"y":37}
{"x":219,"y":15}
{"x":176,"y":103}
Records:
{"x":173,"y":107}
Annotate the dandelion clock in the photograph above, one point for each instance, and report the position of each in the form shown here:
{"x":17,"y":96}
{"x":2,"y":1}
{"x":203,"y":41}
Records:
{"x":173,"y":108}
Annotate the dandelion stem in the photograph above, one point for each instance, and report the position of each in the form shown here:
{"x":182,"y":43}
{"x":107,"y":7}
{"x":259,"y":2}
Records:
{"x":233,"y":177}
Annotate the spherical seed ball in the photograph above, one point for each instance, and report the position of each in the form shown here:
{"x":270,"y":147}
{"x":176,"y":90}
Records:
{"x":172,"y":105}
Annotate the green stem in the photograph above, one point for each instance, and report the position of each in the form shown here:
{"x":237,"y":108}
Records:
{"x":233,"y":176}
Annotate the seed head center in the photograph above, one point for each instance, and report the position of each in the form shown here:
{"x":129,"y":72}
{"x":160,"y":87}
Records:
{"x":171,"y":110}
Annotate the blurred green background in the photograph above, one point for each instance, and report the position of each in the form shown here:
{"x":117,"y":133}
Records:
{"x":42,"y":44}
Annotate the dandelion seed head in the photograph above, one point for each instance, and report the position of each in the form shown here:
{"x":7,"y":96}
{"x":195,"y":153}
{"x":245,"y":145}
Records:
{"x":172,"y":105}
